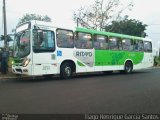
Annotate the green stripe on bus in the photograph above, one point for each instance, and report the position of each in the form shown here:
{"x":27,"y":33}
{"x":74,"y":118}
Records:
{"x":104,"y":57}
{"x":80,"y":64}
{"x":108,"y":33}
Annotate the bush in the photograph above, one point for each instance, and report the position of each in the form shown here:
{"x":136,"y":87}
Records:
{"x":10,"y":62}
{"x":156,"y":61}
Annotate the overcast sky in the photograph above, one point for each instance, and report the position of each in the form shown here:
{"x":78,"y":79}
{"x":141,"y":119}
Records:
{"x":61,"y":12}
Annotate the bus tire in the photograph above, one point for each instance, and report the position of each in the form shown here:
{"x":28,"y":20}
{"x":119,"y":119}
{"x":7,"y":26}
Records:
{"x":128,"y":67}
{"x":66,"y":70}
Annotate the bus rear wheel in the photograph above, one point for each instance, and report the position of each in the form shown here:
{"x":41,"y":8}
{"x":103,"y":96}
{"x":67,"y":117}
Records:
{"x":66,"y":71}
{"x":128,"y":68}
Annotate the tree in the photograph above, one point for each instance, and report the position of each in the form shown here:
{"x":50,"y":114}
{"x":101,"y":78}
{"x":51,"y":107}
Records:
{"x":8,"y":38}
{"x":128,"y":26}
{"x":28,"y":17}
{"x":100,"y":14}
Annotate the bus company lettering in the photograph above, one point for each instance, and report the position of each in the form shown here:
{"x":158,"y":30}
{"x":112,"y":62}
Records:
{"x":83,"y":54}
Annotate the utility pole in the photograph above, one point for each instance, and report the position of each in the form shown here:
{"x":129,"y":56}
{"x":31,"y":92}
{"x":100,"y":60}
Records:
{"x":5,"y":23}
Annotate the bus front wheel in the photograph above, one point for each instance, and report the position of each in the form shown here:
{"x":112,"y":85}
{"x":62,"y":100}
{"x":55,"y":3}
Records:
{"x":66,"y":70}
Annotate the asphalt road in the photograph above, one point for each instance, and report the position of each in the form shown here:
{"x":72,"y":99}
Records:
{"x":138,"y":92}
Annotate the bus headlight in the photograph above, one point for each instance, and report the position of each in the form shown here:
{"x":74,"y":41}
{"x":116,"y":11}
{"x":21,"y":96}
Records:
{"x":13,"y":62}
{"x":26,"y":62}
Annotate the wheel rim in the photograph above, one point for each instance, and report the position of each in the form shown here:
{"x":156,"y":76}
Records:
{"x":68,"y":71}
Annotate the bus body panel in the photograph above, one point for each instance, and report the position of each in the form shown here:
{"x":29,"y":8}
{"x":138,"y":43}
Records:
{"x":44,"y":63}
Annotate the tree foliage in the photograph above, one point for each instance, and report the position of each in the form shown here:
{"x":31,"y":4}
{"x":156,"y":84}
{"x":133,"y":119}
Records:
{"x":28,"y":17}
{"x":8,"y":38}
{"x":128,"y":26}
{"x":100,"y":14}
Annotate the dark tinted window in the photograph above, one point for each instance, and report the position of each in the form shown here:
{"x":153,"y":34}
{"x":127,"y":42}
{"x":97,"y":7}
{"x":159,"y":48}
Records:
{"x":127,"y":44}
{"x":138,"y":45}
{"x":147,"y":46}
{"x":83,"y":40}
{"x":65,"y":38}
{"x":114,"y":43}
{"x":101,"y":42}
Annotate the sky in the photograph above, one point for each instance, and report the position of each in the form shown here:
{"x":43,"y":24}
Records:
{"x":61,"y":12}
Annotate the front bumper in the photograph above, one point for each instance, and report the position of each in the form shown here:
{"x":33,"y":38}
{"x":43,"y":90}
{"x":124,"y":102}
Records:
{"x":21,"y":70}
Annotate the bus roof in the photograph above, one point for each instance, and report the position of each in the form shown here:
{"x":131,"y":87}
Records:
{"x":46,"y":24}
{"x":53,"y":25}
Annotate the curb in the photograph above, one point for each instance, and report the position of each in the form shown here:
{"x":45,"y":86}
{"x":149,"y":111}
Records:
{"x":7,"y":77}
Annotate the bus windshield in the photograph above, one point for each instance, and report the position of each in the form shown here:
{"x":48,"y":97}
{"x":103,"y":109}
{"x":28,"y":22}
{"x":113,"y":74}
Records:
{"x":22,"y":44}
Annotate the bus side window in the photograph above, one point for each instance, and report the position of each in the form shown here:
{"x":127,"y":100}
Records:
{"x":120,"y":44}
{"x":100,"y":42}
{"x":65,"y":38}
{"x":147,"y":46}
{"x":113,"y":43}
{"x":135,"y":45}
{"x":83,"y":40}
{"x":127,"y":44}
{"x":140,"y":45}
{"x":43,"y":41}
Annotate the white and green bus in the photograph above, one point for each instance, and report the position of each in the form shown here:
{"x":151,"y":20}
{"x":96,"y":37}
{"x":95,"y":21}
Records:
{"x":42,"y":49}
